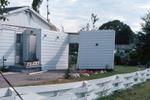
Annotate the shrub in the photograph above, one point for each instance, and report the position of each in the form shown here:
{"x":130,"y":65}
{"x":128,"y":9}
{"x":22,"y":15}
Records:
{"x":67,"y":73}
{"x":4,"y":69}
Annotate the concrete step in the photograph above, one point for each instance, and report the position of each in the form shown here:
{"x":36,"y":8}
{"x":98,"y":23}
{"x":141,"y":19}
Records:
{"x":24,"y":69}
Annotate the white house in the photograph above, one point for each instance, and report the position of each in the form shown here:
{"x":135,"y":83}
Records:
{"x":27,"y":39}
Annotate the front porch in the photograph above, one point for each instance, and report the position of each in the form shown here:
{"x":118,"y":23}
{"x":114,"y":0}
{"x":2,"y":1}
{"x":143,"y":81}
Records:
{"x":28,"y":51}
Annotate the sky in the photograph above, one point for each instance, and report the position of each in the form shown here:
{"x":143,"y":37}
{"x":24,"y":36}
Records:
{"x":74,"y":14}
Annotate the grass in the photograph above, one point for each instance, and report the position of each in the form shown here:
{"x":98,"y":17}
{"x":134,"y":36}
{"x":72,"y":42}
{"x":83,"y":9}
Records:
{"x":117,"y":70}
{"x":138,"y":92}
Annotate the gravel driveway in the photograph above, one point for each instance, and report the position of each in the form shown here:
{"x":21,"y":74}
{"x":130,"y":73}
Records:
{"x":17,"y":79}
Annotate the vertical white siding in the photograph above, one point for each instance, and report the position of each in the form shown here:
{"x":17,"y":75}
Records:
{"x":100,"y":56}
{"x":54,"y":50}
{"x":7,"y":47}
{"x":38,"y":44}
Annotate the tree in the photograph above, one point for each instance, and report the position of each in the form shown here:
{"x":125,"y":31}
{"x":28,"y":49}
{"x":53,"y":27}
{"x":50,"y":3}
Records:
{"x":124,"y":34}
{"x":94,"y":19}
{"x":143,"y":44}
{"x":3,"y":4}
{"x":86,"y":27}
{"x":36,"y":5}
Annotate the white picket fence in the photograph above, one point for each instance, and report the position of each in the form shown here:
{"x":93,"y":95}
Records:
{"x":87,"y":90}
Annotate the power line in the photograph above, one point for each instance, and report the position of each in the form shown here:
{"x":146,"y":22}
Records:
{"x":11,"y":86}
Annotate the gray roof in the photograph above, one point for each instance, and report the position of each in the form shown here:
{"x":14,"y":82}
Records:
{"x":8,"y":9}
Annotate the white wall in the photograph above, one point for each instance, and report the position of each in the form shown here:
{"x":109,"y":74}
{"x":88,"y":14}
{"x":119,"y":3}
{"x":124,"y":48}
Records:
{"x":8,"y":43}
{"x":26,"y":20}
{"x":91,"y":56}
{"x":54,"y":50}
{"x":52,"y":47}
{"x":7,"y":47}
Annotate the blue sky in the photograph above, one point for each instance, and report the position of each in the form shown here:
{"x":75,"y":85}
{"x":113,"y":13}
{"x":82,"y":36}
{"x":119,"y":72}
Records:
{"x":74,"y":14}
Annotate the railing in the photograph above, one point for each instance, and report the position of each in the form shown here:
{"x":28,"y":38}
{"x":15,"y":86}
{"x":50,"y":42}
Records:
{"x":89,"y":90}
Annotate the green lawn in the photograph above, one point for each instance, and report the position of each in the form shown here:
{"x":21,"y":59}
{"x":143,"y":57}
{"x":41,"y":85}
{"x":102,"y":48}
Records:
{"x":138,"y":92}
{"x":117,"y":70}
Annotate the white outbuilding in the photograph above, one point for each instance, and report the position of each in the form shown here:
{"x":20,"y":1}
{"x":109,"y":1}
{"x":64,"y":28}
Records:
{"x":96,"y":50}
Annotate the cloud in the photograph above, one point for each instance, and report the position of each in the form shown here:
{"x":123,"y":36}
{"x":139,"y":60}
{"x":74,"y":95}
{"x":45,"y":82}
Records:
{"x":114,"y":17}
{"x":74,"y":13}
{"x":136,"y":26}
{"x":73,"y":0}
{"x":145,"y":7}
{"x":71,"y":25}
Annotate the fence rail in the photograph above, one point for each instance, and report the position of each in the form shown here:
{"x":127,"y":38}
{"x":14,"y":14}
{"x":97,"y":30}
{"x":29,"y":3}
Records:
{"x":85,"y":90}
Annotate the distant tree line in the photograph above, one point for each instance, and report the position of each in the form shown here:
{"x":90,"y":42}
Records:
{"x":124,"y":34}
{"x":140,"y":53}
{"x":143,"y":42}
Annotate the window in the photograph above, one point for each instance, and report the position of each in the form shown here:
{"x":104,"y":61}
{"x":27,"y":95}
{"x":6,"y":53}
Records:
{"x":96,"y":44}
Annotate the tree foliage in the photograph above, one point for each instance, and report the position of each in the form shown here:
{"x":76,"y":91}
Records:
{"x":124,"y":34}
{"x":143,"y":44}
{"x":92,"y":26}
{"x":36,"y":5}
{"x":94,"y":19}
{"x":86,"y":27}
{"x":3,"y":4}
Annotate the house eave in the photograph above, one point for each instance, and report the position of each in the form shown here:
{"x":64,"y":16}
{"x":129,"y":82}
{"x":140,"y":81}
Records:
{"x":50,"y":25}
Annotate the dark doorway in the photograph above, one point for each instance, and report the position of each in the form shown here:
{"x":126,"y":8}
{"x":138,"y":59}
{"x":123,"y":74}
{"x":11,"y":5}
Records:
{"x":73,"y":55}
{"x":19,"y":48}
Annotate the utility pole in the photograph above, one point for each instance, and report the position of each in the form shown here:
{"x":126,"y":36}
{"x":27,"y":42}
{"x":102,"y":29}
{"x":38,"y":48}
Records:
{"x":48,"y":13}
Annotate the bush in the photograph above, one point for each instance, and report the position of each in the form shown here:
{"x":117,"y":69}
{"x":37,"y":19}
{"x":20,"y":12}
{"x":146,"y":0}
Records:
{"x":67,"y":73}
{"x":117,"y":60}
{"x":129,"y":57}
{"x":133,"y":58}
{"x":4,"y":70}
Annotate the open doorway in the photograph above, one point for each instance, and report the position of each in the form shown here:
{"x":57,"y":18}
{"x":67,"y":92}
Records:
{"x":19,"y":49}
{"x":73,"y":55}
